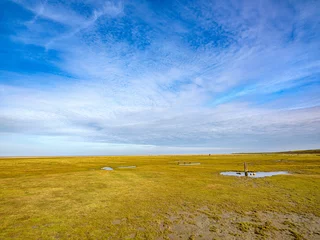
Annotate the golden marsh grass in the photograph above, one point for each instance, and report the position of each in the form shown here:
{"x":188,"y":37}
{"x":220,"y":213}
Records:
{"x":72,"y":198}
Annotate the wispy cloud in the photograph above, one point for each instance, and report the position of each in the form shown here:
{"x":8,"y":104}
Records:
{"x":202,"y":74}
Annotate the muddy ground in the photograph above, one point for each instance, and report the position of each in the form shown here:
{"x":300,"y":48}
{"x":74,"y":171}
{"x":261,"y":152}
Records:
{"x":230,"y":225}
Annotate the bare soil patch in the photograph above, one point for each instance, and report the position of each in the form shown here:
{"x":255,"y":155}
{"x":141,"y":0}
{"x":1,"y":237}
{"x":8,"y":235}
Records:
{"x":231,"y":225}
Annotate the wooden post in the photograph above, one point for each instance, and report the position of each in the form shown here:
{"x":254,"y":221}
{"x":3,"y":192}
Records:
{"x":245,"y":169}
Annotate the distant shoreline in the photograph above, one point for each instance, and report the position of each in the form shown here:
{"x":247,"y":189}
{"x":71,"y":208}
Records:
{"x":310,"y":151}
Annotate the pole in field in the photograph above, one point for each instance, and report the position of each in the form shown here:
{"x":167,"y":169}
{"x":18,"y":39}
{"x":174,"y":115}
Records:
{"x":245,"y":169}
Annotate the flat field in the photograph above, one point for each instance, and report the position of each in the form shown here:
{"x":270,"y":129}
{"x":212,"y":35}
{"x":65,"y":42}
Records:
{"x":72,"y":198}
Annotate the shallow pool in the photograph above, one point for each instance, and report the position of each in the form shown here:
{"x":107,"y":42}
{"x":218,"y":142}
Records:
{"x":107,"y":168}
{"x":254,"y":174}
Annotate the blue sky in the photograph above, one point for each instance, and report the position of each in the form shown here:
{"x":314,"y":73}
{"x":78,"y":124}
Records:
{"x":97,"y":77}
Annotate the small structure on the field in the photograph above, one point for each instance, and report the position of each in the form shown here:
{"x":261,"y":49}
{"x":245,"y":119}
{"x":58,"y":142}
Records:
{"x":245,"y":169}
{"x":188,"y":163}
{"x":125,"y":167}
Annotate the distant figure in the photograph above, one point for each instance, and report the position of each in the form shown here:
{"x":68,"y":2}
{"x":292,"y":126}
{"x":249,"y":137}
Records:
{"x":209,"y":154}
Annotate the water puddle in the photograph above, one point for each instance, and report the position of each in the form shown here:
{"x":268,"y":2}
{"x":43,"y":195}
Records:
{"x":254,"y":174}
{"x":107,"y":168}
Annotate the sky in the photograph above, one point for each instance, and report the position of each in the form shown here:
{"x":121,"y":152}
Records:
{"x":97,"y":77}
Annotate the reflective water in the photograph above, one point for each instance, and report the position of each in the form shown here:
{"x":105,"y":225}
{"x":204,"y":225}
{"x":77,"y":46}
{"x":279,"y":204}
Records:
{"x":254,"y":174}
{"x":107,"y":168}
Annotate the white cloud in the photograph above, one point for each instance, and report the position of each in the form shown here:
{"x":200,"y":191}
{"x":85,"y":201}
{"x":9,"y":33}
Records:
{"x":170,"y":92}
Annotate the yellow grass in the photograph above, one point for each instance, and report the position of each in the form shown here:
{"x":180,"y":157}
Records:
{"x":71,"y":198}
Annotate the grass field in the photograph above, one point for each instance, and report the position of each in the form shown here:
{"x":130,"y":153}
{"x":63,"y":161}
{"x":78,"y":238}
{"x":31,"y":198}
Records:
{"x":71,"y":198}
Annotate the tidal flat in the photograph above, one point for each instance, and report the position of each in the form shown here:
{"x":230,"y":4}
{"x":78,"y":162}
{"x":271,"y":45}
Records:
{"x":72,"y":198}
